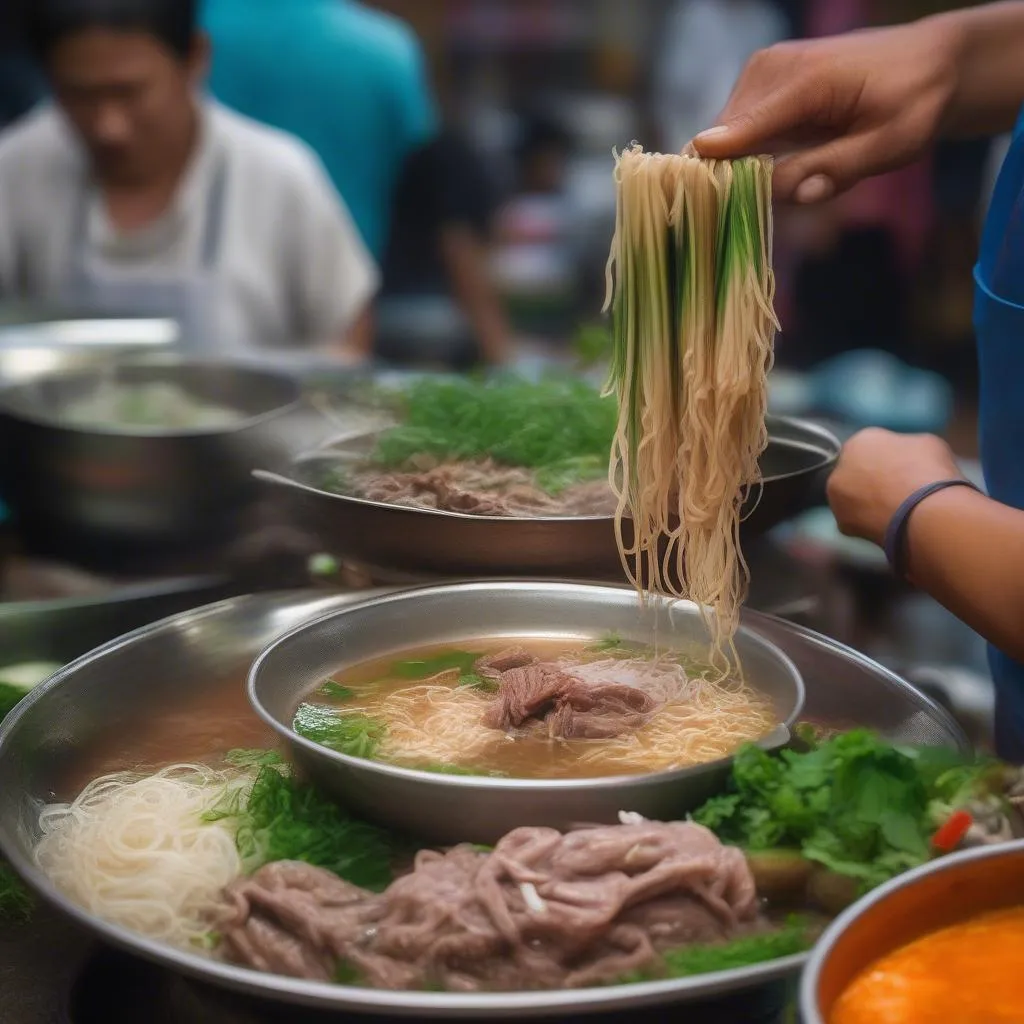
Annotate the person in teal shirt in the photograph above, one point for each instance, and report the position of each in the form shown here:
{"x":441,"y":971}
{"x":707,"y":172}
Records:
{"x":347,"y":80}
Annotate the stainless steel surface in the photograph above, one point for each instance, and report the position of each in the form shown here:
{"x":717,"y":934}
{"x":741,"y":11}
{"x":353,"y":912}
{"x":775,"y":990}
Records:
{"x":395,"y":538}
{"x":449,"y":809}
{"x":98,"y":488}
{"x":938,"y":895}
{"x":33,"y":345}
{"x":105,"y":691}
{"x":846,"y":689}
{"x":61,"y":630}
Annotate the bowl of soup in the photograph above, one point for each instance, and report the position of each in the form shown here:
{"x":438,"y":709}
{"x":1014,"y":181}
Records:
{"x":942,"y":943}
{"x":460,"y":712}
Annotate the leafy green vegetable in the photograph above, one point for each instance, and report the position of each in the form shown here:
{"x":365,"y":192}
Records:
{"x":424,"y":668}
{"x":560,"y":426}
{"x":336,"y":690}
{"x":242,"y":758}
{"x":611,"y":642}
{"x":355,"y":734}
{"x":856,"y":804}
{"x":283,"y":818}
{"x":16,"y":902}
{"x":795,"y":936}
{"x":346,"y":973}
{"x":478,"y":682}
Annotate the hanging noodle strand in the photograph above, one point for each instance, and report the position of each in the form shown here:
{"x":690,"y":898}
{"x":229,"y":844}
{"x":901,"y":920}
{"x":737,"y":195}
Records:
{"x":690,"y":288}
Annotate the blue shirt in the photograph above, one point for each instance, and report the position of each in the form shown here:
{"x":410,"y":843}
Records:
{"x":999,"y":324}
{"x":347,"y":80}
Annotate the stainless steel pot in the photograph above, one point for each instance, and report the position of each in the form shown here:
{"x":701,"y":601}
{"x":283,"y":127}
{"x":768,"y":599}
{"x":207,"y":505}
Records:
{"x":94,"y":487}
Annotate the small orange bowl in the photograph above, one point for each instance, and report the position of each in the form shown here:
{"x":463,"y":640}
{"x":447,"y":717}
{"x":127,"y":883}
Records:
{"x":940,"y":894}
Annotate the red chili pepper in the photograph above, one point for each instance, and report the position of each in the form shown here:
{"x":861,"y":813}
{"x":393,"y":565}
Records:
{"x":952,"y":830}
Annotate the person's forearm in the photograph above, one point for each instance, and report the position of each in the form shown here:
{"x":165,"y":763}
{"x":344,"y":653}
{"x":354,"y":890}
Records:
{"x":990,"y":69}
{"x":967,"y":551}
{"x":468,"y":269}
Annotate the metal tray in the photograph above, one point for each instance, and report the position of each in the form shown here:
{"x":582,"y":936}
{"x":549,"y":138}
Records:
{"x":156,"y":667}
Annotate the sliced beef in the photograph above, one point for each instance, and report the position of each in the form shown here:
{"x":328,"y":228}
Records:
{"x":275,"y":919}
{"x":481,"y":487}
{"x":599,"y":711}
{"x":541,"y":910}
{"x":490,"y":666}
{"x":526,"y":692}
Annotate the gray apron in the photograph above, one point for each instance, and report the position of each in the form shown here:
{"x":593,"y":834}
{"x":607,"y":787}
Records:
{"x":186,"y":296}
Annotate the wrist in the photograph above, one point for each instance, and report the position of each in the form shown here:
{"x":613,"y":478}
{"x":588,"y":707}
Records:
{"x":896,"y":541}
{"x":955,"y":41}
{"x":980,"y":48}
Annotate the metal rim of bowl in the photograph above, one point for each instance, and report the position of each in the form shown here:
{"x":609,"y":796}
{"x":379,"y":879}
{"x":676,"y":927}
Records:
{"x":827,"y":449}
{"x":621,"y":782}
{"x":156,"y":361}
{"x":823,"y":948}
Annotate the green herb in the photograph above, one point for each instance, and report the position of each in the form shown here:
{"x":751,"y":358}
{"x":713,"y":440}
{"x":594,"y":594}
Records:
{"x":610,"y":642}
{"x":241,"y":758}
{"x":856,"y":804}
{"x":424,"y":668}
{"x":560,"y":426}
{"x":336,"y":690}
{"x":346,"y":973}
{"x":16,"y":902}
{"x":357,"y":735}
{"x":478,"y":682}
{"x":285,"y":819}
{"x":795,"y":937}
{"x":324,"y":565}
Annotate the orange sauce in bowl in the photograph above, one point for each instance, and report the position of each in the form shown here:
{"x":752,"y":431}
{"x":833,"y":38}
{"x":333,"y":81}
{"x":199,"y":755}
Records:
{"x":969,"y":973}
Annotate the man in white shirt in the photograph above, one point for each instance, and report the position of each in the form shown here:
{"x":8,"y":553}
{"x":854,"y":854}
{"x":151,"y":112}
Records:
{"x":135,"y":195}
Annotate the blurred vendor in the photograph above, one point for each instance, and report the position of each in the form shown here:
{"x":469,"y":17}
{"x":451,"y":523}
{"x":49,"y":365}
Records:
{"x":134,"y":195}
{"x":438,"y":303}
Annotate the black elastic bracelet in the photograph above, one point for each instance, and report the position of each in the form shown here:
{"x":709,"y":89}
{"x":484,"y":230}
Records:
{"x":896,"y":532}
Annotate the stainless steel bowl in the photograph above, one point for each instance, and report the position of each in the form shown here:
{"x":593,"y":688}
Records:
{"x":429,"y":542}
{"x":95,"y":488}
{"x":53,"y":734}
{"x":938,"y":895}
{"x":457,"y":808}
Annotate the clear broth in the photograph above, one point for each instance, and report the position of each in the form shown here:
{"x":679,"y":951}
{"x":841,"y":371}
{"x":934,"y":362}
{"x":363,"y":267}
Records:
{"x":377,"y":692}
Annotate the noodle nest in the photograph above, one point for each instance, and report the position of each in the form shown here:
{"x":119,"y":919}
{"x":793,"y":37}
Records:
{"x":135,"y":850}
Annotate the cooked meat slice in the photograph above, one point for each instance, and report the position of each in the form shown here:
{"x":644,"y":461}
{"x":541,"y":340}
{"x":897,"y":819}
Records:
{"x":599,"y":711}
{"x":524,"y":693}
{"x":490,"y":666}
{"x":541,"y":910}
